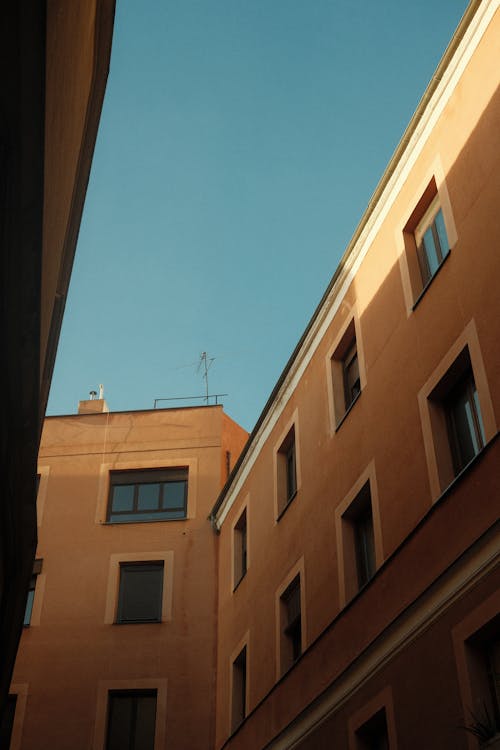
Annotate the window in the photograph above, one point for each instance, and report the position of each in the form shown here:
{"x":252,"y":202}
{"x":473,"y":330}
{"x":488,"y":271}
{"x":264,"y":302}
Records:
{"x":345,"y":374}
{"x":37,"y":568}
{"x":373,"y":734}
{"x":7,"y":721}
{"x":426,"y":239}
{"x":483,"y":662}
{"x":131,"y":720}
{"x":456,"y":418}
{"x":358,"y":522}
{"x":350,"y":367}
{"x":291,"y":624}
{"x":287,"y":471}
{"x":239,"y":692}
{"x":431,"y":241}
{"x":465,"y":424}
{"x":140,"y":592}
{"x":152,"y":495}
{"x":240,"y":548}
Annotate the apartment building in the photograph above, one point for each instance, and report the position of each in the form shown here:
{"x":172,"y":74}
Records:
{"x":119,"y":643}
{"x":345,"y":591}
{"x":358,"y":533}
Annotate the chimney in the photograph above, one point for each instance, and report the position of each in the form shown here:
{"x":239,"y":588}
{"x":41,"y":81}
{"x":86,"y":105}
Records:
{"x":94,"y":405}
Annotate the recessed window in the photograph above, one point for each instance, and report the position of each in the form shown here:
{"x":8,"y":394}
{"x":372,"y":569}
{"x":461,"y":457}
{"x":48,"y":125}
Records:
{"x":352,"y":387}
{"x":131,"y":720}
{"x":427,"y":238}
{"x":431,"y":241}
{"x":7,"y":721}
{"x":37,"y":568}
{"x":359,"y":536}
{"x":346,"y":380}
{"x":287,"y":471}
{"x":465,"y":424}
{"x":291,"y":624}
{"x":373,"y":734}
{"x":140,"y":592}
{"x":239,"y":692}
{"x":240,"y":548}
{"x":483,"y":662}
{"x":153,"y":495}
{"x":456,"y":418}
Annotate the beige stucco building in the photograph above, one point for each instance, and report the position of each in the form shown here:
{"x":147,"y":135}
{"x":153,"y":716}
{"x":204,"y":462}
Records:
{"x":125,"y":585}
{"x":345,"y":591}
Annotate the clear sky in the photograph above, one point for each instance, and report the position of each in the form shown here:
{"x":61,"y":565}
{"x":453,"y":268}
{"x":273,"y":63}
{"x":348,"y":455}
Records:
{"x":239,"y":144}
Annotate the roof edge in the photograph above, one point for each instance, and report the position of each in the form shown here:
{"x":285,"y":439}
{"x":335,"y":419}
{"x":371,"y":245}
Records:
{"x":389,"y":171}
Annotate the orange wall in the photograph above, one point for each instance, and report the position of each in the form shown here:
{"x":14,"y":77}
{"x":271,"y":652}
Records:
{"x":69,"y":649}
{"x":400,"y":348}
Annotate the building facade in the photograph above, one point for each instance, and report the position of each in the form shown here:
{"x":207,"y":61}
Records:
{"x":345,"y":592}
{"x":121,"y":618}
{"x":358,"y":537}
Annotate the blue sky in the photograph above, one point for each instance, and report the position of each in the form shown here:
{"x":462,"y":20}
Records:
{"x":239,"y":144}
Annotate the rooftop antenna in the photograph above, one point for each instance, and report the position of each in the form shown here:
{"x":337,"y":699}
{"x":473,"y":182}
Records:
{"x":205,"y":364}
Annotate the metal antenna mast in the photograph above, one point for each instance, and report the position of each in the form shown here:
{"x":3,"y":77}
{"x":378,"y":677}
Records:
{"x":205,"y":363}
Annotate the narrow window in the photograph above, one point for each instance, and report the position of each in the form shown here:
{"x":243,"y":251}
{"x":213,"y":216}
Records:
{"x":456,"y":419}
{"x":153,"y":495}
{"x":352,"y":387}
{"x":431,"y":241}
{"x":7,"y":721}
{"x":140,"y":594}
{"x":37,"y":568}
{"x":483,"y":663}
{"x":346,"y":381}
{"x":239,"y":688}
{"x":358,"y":541}
{"x":373,"y":734}
{"x":240,"y":548}
{"x":291,"y":641}
{"x":287,"y":471}
{"x":131,"y":720}
{"x":465,"y":424}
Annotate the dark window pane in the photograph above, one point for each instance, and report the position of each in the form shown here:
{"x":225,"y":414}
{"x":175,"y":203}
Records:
{"x":145,"y":723}
{"x":291,"y":475}
{"x":441,"y":232}
{"x":120,"y":720}
{"x":152,"y":495}
{"x":174,"y":495}
{"x":131,"y":720}
{"x":239,"y":688}
{"x":141,"y":588}
{"x":373,"y":735}
{"x":350,"y":365}
{"x":352,"y":378}
{"x":365,"y":546}
{"x":479,"y":416}
{"x":465,"y":423}
{"x":149,"y":497}
{"x":430,"y":251}
{"x":240,"y":548}
{"x":123,"y":497}
{"x":293,"y":625}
